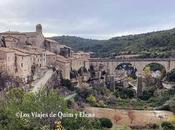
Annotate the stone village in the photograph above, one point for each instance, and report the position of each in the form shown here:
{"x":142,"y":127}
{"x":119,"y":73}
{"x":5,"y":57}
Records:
{"x":102,"y":82}
{"x":21,"y":52}
{"x":27,"y":55}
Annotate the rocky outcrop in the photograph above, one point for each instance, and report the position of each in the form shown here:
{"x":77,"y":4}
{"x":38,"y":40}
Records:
{"x":7,"y":81}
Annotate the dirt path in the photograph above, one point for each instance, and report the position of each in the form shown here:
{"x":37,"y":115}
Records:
{"x":125,"y":117}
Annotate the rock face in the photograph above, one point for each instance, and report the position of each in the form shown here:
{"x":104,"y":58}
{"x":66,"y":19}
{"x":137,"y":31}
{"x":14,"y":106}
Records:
{"x":7,"y":82}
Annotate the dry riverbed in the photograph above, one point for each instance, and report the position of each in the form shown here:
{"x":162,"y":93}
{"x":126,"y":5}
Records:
{"x":128,"y":117}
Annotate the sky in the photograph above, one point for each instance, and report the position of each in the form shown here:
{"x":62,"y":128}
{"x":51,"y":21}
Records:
{"x":94,"y":19}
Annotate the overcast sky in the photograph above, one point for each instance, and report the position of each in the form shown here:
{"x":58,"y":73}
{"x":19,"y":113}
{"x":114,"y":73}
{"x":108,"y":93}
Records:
{"x":97,"y":19}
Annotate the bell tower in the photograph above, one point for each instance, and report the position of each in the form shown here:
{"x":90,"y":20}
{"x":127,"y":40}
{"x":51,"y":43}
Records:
{"x":39,"y":28}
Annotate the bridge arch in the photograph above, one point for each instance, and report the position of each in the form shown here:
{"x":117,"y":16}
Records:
{"x":156,"y":67}
{"x":110,"y":64}
{"x":128,"y":68}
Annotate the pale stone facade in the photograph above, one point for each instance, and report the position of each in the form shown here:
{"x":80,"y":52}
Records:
{"x":50,"y":58}
{"x":15,"y":63}
{"x":22,"y":65}
{"x":27,"y":49}
{"x":80,"y":59}
{"x":7,"y":61}
{"x":64,"y":65}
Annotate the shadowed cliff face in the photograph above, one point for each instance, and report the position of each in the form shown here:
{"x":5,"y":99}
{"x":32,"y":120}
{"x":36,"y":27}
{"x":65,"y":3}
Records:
{"x":7,"y":81}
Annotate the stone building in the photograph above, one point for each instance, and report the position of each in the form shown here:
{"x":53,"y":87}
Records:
{"x":80,"y":59}
{"x":50,"y":58}
{"x":33,"y":49}
{"x":22,"y":65}
{"x":64,"y":65}
{"x":7,"y":61}
{"x":15,"y":63}
{"x":20,"y":39}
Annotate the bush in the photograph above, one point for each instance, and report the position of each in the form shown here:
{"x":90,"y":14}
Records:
{"x":152,"y":126}
{"x":105,"y":123}
{"x":125,"y":93}
{"x":171,"y":76}
{"x":91,"y":99}
{"x":67,"y":83}
{"x":147,"y":94}
{"x":167,"y":126}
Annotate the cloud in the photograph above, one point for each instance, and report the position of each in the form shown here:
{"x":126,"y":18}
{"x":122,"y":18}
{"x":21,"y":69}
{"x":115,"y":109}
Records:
{"x":87,"y":18}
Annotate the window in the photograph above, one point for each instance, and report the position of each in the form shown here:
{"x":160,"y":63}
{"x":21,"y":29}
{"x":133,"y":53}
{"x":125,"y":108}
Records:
{"x":21,"y":64}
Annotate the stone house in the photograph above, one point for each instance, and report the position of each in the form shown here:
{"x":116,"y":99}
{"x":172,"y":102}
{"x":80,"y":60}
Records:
{"x":50,"y":58}
{"x":22,"y":65}
{"x":15,"y":63}
{"x":37,"y":39}
{"x":7,"y":61}
{"x":38,"y":56}
{"x":80,"y":59}
{"x":63,"y":64}
{"x":40,"y":52}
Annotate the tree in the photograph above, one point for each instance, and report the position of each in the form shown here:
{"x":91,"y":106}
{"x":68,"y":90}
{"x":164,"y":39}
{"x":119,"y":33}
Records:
{"x":68,"y":84}
{"x":171,"y":76}
{"x":91,"y":99}
{"x":106,"y":123}
{"x":46,"y":102}
{"x":147,"y":72}
{"x":167,"y":126}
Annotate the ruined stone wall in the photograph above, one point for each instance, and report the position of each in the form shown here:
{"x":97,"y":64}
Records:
{"x":14,"y":39}
{"x":10,"y":66}
{"x":7,"y":62}
{"x":23,"y":65}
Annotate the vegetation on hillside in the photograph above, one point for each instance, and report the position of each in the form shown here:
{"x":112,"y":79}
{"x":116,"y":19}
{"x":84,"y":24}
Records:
{"x":154,"y":44}
{"x":16,"y":108}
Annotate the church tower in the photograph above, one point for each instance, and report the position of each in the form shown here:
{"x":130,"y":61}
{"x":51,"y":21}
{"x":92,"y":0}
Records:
{"x":39,"y":28}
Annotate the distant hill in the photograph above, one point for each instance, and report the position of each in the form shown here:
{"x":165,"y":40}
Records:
{"x":153,"y":44}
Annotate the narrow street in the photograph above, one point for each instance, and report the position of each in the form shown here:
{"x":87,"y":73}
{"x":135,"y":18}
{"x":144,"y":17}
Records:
{"x":40,"y":83}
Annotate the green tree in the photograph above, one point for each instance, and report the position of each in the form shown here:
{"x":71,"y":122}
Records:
{"x":106,"y":123}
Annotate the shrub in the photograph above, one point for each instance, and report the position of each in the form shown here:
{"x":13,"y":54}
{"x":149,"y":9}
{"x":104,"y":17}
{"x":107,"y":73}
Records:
{"x":105,"y":123}
{"x":147,"y":94}
{"x":67,"y":83}
{"x":171,"y":76}
{"x":91,"y":99}
{"x":167,"y":126}
{"x":125,"y":93}
{"x":152,"y":126}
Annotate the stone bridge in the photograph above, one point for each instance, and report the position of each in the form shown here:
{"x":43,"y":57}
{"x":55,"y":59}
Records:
{"x":111,"y":64}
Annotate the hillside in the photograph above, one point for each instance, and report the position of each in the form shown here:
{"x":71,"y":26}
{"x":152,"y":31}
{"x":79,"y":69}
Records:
{"x":153,"y":44}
